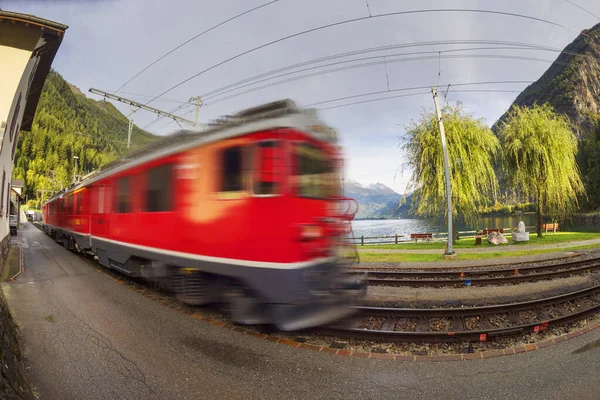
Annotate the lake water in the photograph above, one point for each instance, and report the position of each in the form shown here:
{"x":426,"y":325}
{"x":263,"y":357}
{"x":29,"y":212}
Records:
{"x":404,"y":227}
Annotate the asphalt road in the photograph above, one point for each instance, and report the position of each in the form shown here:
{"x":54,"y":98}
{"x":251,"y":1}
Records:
{"x":87,"y":337}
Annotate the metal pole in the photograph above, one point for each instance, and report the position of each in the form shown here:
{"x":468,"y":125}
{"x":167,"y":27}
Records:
{"x":449,"y":250}
{"x":75,"y":169}
{"x":130,"y":128}
{"x":198,"y":102}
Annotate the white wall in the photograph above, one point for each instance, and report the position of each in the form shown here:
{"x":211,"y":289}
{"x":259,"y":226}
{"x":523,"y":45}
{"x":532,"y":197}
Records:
{"x":16,"y":68}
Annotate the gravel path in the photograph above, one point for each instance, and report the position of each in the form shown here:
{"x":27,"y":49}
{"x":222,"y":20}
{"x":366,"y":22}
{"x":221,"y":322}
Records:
{"x":423,"y":297}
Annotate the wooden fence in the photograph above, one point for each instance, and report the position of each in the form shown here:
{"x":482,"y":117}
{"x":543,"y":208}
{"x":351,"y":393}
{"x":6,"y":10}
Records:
{"x":398,"y":239}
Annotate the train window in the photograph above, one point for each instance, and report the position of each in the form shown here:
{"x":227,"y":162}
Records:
{"x":160,"y":191}
{"x":268,"y":160}
{"x":313,"y":173}
{"x":79,"y":203}
{"x":232,"y":167}
{"x":122,"y":198}
{"x":101,"y":200}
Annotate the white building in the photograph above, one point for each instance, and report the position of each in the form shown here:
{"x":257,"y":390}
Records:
{"x":27,"y":48}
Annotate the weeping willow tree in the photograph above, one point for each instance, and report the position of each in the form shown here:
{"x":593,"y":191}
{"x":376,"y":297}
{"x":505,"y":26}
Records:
{"x":472,"y":149}
{"x":539,"y":150}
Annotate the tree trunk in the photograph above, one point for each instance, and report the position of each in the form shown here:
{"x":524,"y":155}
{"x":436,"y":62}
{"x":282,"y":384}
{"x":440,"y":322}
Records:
{"x":453,"y":230}
{"x":539,"y":216}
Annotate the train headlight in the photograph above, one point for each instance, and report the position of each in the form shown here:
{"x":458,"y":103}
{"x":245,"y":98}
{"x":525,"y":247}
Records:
{"x":311,"y":232}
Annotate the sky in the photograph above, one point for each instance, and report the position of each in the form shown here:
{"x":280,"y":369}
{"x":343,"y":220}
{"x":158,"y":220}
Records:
{"x":110,"y":41}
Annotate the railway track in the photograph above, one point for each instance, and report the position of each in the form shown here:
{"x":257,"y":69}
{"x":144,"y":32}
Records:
{"x":480,"y":277}
{"x":469,"y":324}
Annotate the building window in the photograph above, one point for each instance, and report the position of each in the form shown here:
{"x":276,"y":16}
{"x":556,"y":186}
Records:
{"x":14,"y":148}
{"x":232,"y":179}
{"x":15,"y":116}
{"x":8,"y":199}
{"x":2,"y":199}
{"x":159,"y":192}
{"x":268,"y":161}
{"x":122,"y":198}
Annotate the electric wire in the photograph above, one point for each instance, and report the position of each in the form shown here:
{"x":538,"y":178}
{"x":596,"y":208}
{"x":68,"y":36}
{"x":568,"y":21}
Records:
{"x":191,"y":39}
{"x":584,"y":9}
{"x":339,"y":23}
{"x":363,"y":65}
{"x":382,"y":48}
{"x":418,"y":88}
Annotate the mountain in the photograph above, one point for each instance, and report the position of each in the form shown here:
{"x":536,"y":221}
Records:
{"x":572,"y":86}
{"x":376,"y":201}
{"x":572,"y":83}
{"x":67,"y":124}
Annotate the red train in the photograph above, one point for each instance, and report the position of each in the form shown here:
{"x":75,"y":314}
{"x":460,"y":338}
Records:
{"x":249,"y":213}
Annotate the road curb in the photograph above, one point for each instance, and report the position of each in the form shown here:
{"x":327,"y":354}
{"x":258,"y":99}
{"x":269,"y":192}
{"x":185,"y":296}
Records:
{"x":21,"y":265}
{"x":358,"y":354}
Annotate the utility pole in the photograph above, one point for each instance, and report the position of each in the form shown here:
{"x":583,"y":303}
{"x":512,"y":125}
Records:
{"x":198,"y":101}
{"x":138,"y":106}
{"x":75,"y":169}
{"x":131,"y":115}
{"x":449,"y":249}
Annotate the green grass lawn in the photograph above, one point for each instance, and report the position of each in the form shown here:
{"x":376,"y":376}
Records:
{"x":366,"y":257}
{"x":549,"y":238}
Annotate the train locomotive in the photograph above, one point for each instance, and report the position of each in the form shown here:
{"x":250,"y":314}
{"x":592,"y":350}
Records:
{"x":248,"y":213}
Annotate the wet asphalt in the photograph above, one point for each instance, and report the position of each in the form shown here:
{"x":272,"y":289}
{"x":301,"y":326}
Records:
{"x":88,"y":337}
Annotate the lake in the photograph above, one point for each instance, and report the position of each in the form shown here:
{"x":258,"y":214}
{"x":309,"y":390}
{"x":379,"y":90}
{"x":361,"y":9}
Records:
{"x":404,"y":227}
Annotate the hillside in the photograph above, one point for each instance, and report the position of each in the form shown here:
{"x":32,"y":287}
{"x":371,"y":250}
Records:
{"x":572,"y":83}
{"x":572,"y":87}
{"x":376,"y":201}
{"x":68,"y":124}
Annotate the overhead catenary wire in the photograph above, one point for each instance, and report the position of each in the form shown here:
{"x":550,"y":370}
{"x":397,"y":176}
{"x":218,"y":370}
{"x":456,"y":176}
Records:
{"x":192,"y":39}
{"x":368,"y":8}
{"x":181,"y":107}
{"x":417,"y":88}
{"x":428,"y":93}
{"x":584,"y":9}
{"x":253,"y":79}
{"x":363,"y":65}
{"x":349,"y":21}
{"x":138,"y":95}
{"x":387,"y":77}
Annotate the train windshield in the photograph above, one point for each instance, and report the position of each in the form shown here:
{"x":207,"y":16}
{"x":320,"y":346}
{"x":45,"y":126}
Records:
{"x":314,"y":174}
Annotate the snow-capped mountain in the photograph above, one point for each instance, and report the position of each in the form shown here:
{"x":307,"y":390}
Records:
{"x":376,"y":200}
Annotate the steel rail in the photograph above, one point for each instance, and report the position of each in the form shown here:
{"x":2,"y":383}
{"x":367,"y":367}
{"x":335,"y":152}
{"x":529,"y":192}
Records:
{"x":488,"y":277}
{"x":460,"y":313}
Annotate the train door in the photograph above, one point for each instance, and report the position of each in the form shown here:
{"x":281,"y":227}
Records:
{"x":157,"y":224}
{"x":100,"y":210}
{"x":267,"y":213}
{"x":126,"y":208}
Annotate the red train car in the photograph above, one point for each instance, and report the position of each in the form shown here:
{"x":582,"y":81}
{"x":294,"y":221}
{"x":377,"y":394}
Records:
{"x":249,"y":212}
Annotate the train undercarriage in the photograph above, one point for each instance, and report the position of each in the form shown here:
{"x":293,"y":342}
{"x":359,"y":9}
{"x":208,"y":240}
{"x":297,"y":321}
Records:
{"x":288,"y":298}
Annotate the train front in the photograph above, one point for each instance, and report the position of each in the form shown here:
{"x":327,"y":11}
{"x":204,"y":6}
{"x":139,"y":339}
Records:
{"x":320,"y":217}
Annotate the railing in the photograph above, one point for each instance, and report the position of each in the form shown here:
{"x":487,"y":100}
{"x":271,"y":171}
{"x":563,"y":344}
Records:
{"x":399,"y":239}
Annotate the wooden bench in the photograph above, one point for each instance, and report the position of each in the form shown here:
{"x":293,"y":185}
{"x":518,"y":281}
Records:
{"x":487,"y":231}
{"x":423,"y":236}
{"x":552,"y":227}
